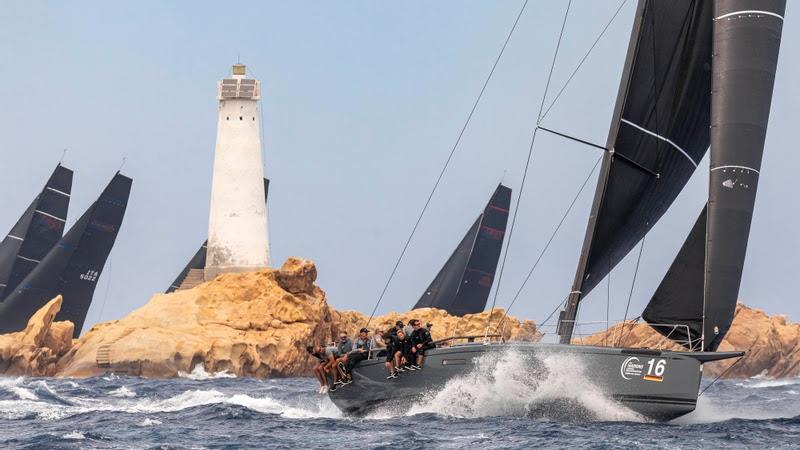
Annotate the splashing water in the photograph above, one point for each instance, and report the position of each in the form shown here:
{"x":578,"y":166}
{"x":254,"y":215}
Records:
{"x":199,"y":373}
{"x":511,"y":383}
{"x":491,"y":407}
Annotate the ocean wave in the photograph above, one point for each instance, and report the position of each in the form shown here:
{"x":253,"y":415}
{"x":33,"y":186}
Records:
{"x":124,"y":399}
{"x":761,"y":383}
{"x":122,"y":391}
{"x":199,"y":373}
{"x":74,"y":435}
{"x":15,"y":386}
{"x":148,"y":422}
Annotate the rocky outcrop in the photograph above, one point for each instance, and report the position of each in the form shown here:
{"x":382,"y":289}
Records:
{"x":259,"y":323}
{"x":772,"y":344}
{"x":249,"y":324}
{"x":35,"y":350}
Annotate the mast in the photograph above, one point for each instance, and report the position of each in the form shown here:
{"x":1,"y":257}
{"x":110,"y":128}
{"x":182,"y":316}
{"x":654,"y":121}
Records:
{"x":566,"y":320}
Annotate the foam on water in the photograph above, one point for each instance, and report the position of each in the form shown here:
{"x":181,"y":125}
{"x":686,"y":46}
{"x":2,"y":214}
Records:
{"x":148,"y":422}
{"x":74,"y":435}
{"x":199,"y":373}
{"x":123,"y":391}
{"x":509,"y":384}
{"x":124,"y":399}
{"x":15,"y":386}
{"x":760,"y":382}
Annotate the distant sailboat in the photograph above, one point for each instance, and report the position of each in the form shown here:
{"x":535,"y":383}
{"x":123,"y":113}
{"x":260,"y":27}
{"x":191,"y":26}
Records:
{"x":462,"y":285}
{"x":36,"y":232}
{"x":192,"y":273}
{"x":73,"y":266}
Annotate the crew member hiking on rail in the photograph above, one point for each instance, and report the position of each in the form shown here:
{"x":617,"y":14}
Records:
{"x":363,"y":345}
{"x":421,"y":340}
{"x":318,"y":352}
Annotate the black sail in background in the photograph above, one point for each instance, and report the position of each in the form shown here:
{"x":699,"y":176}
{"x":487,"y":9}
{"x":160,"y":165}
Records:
{"x":676,"y":309}
{"x":747,"y":37}
{"x":659,"y":133}
{"x":198,"y":261}
{"x":73,"y":266}
{"x":462,"y":285}
{"x":36,"y":232}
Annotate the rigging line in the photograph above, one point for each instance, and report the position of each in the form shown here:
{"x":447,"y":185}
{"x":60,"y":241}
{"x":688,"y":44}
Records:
{"x":583,"y":60}
{"x":633,"y":284}
{"x":108,"y":286}
{"x":553,"y":64}
{"x":541,"y":324}
{"x":550,"y":241}
{"x":525,"y":171}
{"x":447,"y":161}
{"x":608,"y":298}
{"x":724,"y":372}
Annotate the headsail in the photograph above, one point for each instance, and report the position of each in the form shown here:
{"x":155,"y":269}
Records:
{"x":73,"y":266}
{"x":35,"y":233}
{"x":676,"y":309}
{"x":747,"y":38}
{"x":192,"y":273}
{"x":462,"y":285}
{"x":659,"y":133}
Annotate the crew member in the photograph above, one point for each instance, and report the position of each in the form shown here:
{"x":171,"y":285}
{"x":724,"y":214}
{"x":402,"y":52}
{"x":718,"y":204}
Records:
{"x":318,"y":352}
{"x":421,"y":340}
{"x":391,"y":350}
{"x":360,"y":352}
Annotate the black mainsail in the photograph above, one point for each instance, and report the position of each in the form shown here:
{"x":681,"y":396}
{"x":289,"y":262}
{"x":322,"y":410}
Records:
{"x":462,"y":285}
{"x":659,"y":133}
{"x":747,"y":36}
{"x":198,"y":261}
{"x":36,"y":232}
{"x":73,"y":266}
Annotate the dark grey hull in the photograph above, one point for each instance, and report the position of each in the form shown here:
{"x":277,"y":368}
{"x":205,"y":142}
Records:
{"x":657,"y":385}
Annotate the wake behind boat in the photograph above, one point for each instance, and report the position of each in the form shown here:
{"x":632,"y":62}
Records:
{"x":674,"y":103}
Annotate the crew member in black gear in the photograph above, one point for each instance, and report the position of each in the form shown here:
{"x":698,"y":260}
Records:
{"x":391,"y":348}
{"x":397,"y":326}
{"x":401,"y":346}
{"x":421,"y":340}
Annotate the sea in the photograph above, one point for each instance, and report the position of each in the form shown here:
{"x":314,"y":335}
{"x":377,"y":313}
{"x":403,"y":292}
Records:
{"x":493,"y":408}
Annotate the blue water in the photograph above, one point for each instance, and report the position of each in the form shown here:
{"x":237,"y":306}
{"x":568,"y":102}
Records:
{"x":201,"y":411}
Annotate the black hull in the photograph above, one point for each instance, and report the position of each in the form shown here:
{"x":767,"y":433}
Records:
{"x":668,"y":391}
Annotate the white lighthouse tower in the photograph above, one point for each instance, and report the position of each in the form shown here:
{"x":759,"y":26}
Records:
{"x":237,"y":225}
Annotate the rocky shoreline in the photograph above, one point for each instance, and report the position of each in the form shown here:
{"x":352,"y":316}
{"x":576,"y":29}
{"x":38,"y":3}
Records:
{"x":258,"y":324}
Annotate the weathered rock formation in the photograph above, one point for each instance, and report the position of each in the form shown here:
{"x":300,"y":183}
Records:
{"x":772,"y":344}
{"x":258,"y":324}
{"x":35,"y":350}
{"x":253,"y":324}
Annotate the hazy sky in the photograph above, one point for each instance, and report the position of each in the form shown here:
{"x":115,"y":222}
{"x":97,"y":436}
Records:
{"x":362,"y":102}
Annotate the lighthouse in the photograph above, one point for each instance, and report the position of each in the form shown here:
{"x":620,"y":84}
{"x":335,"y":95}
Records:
{"x":237,"y":225}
